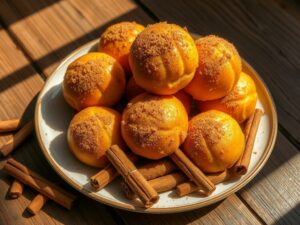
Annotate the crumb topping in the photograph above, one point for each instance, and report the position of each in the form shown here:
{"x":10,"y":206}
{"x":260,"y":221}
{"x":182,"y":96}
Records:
{"x":85,"y":134}
{"x":155,"y":42}
{"x":143,"y":121}
{"x":119,"y":32}
{"x":211,"y":65}
{"x":82,"y":78}
{"x":209,"y":129}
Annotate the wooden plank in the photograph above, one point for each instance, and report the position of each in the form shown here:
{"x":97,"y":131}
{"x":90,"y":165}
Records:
{"x":16,"y":100}
{"x":274,"y":193}
{"x":290,"y":6}
{"x":15,"y":97}
{"x":267,"y":37}
{"x":230,"y":211}
{"x":51,"y":33}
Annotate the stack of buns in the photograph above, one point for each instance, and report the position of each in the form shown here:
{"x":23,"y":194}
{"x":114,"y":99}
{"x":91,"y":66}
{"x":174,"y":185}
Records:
{"x":166,"y":71}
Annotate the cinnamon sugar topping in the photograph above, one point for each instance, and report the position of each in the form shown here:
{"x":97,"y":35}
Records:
{"x":143,"y":121}
{"x":208,"y":129}
{"x":119,"y":32}
{"x":85,"y":134}
{"x":85,"y":77}
{"x":211,"y":65}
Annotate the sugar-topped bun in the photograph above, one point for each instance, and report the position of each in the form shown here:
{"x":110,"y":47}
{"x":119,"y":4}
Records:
{"x":94,"y":79}
{"x":186,"y":100}
{"x":154,"y":126}
{"x":133,"y":90}
{"x":239,"y":103}
{"x":218,"y":71}
{"x":91,"y":132}
{"x":163,"y":58}
{"x":117,"y":40}
{"x":215,"y":141}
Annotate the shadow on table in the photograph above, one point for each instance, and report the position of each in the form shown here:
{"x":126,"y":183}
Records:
{"x":291,"y":217}
{"x":175,"y":218}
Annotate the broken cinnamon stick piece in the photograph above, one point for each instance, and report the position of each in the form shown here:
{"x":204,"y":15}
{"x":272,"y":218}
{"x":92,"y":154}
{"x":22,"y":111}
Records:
{"x":160,"y":184}
{"x":9,"y":125}
{"x":132,"y":176}
{"x":216,"y":178}
{"x":157,"y":168}
{"x":107,"y":175}
{"x":17,"y":138}
{"x":16,"y":189}
{"x":40,"y":184}
{"x":193,"y":172}
{"x":241,"y":166}
{"x":37,"y":204}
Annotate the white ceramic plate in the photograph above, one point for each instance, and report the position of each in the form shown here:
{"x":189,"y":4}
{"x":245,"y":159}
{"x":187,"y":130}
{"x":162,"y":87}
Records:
{"x":52,"y":117}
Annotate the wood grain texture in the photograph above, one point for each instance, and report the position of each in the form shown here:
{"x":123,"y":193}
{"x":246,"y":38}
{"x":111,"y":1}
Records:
{"x":17,"y":100}
{"x":266,"y":36}
{"x":291,"y":7}
{"x":274,"y":193}
{"x":62,"y":26}
{"x":56,"y":28}
{"x":230,"y":211}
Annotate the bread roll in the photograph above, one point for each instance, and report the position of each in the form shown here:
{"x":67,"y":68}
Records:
{"x":91,"y":132}
{"x":133,"y":90}
{"x":94,"y":79}
{"x":117,"y":40}
{"x":215,"y":141}
{"x":163,"y":58}
{"x":218,"y":71}
{"x":240,"y":103}
{"x":154,"y":126}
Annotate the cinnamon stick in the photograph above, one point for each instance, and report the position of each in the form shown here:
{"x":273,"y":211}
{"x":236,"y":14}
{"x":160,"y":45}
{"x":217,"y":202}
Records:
{"x":37,"y":204}
{"x":17,"y":138}
{"x":16,"y":189}
{"x":241,"y":166}
{"x":167,"y":182}
{"x":9,"y":125}
{"x":156,"y":173}
{"x":193,"y":172}
{"x":248,"y":125}
{"x":132,"y":176}
{"x":40,"y":184}
{"x":160,"y":184}
{"x":156,"y":169}
{"x":189,"y":186}
{"x":107,"y":175}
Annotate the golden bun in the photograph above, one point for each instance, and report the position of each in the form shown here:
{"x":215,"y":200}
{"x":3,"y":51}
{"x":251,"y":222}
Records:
{"x":154,"y":126}
{"x":133,"y":90}
{"x":163,"y":58}
{"x":94,"y":79}
{"x":218,"y":71}
{"x":186,"y":100}
{"x":91,"y":132}
{"x":239,"y":103}
{"x":117,"y":40}
{"x":215,"y":141}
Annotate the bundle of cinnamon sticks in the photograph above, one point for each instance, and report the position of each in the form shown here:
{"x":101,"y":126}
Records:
{"x":24,"y":176}
{"x":148,"y":180}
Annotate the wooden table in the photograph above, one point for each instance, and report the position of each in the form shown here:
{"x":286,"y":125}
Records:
{"x":36,"y":35}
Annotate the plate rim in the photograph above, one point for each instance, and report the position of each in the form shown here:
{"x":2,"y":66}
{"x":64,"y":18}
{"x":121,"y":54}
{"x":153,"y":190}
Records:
{"x":125,"y":206}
